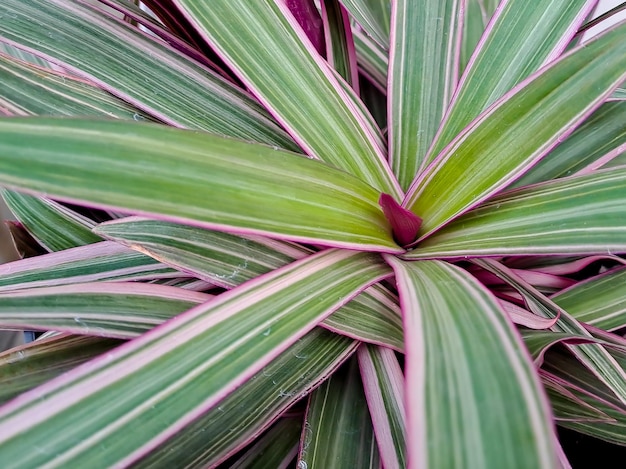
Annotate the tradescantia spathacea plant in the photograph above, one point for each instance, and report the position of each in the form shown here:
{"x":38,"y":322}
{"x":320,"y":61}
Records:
{"x":286,"y":233}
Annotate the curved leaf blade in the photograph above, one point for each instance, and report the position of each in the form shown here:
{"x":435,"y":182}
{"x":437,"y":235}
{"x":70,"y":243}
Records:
{"x":518,"y":130}
{"x":474,"y":399}
{"x":219,"y":183}
{"x":265,"y":46}
{"x":577,"y":215}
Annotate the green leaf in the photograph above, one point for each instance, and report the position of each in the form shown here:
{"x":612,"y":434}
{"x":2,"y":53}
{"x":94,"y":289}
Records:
{"x":473,"y":397}
{"x":340,"y":50}
{"x":598,"y":140}
{"x":263,"y":44}
{"x":32,"y":364}
{"x":53,"y":225}
{"x":373,"y":16}
{"x":541,"y":219}
{"x":383,"y":383}
{"x":519,"y":130}
{"x":274,"y":450}
{"x":220,"y":183}
{"x":227,"y":260}
{"x":253,"y":406}
{"x":32,"y":90}
{"x":138,"y":68}
{"x":372,"y":59}
{"x":538,"y":341}
{"x":105,"y":261}
{"x":119,"y":310}
{"x":599,"y":301}
{"x":524,"y":35}
{"x":422,"y":77}
{"x":171,"y":375}
{"x":338,"y":429}
{"x":477,"y":16}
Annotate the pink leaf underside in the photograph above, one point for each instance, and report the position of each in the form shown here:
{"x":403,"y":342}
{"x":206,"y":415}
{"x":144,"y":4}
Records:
{"x":307,"y":16}
{"x":404,"y":223}
{"x":524,"y":317}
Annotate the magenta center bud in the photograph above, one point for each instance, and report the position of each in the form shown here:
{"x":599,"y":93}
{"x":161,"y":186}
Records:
{"x":404,"y":223}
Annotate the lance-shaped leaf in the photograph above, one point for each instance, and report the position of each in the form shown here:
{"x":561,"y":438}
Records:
{"x":254,"y":405}
{"x":22,"y":368}
{"x":276,"y":449}
{"x":577,"y":215}
{"x":473,"y":397}
{"x":383,"y":383}
{"x":423,"y":68}
{"x":373,"y":16}
{"x":465,"y":366}
{"x":28,"y":89}
{"x":599,"y":301}
{"x":53,"y":225}
{"x":600,"y":139}
{"x":138,"y":68}
{"x":170,"y":376}
{"x":340,"y":50}
{"x":105,"y":261}
{"x":220,"y":183}
{"x":518,"y":130}
{"x":120,"y":310}
{"x":338,"y":431}
{"x":538,"y":342}
{"x":372,"y":60}
{"x":594,"y":356}
{"x":227,"y":260}
{"x":522,"y":36}
{"x":477,"y":16}
{"x":264,"y":45}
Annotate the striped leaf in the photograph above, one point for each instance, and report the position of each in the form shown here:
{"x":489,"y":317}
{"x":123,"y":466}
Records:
{"x":227,"y":260}
{"x":32,"y":364}
{"x":138,"y":68}
{"x":600,"y":139}
{"x":53,"y":225}
{"x":119,"y":310}
{"x":578,"y":215}
{"x":373,"y":16}
{"x":523,"y":36}
{"x":276,"y":449}
{"x":338,"y":429}
{"x":423,"y":68}
{"x":518,"y":130}
{"x":220,"y":183}
{"x":383,"y":383}
{"x":340,"y":50}
{"x":473,"y":397}
{"x":104,"y":261}
{"x":32,"y":90}
{"x":477,"y":16}
{"x":265,"y":46}
{"x":372,"y":60}
{"x":599,"y":301}
{"x":171,"y":375}
{"x":594,"y":356}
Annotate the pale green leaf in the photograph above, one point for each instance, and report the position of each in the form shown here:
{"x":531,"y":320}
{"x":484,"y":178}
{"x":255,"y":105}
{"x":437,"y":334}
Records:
{"x":242,"y":415}
{"x":338,"y":429}
{"x":191,"y":176}
{"x":372,"y":59}
{"x":477,"y":16}
{"x":520,"y":129}
{"x":53,"y":225}
{"x":601,"y":136}
{"x":473,"y":396}
{"x":577,"y":215}
{"x":340,"y":51}
{"x":264,"y":45}
{"x":423,"y":68}
{"x":373,"y":16}
{"x":105,"y":261}
{"x":599,"y":301}
{"x":227,"y":260}
{"x":524,"y":35}
{"x":137,"y":68}
{"x":170,"y":376}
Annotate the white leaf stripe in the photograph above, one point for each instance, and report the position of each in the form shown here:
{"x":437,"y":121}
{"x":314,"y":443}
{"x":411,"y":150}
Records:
{"x":278,"y":310}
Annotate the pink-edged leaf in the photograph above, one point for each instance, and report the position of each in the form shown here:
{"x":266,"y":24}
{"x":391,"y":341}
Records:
{"x":170,"y":376}
{"x":383,"y":383}
{"x":524,"y":317}
{"x":468,"y":375}
{"x":306,"y":14}
{"x":340,"y":48}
